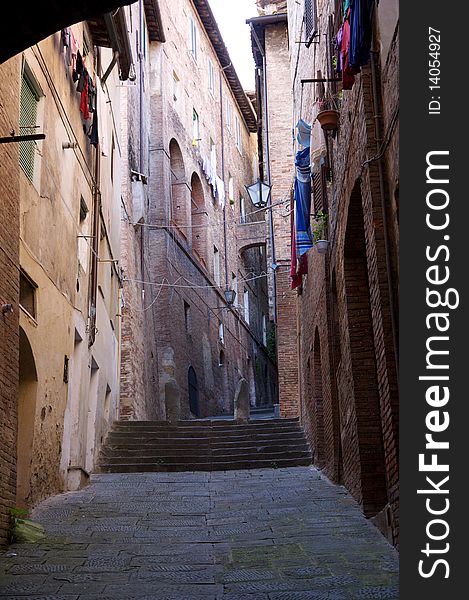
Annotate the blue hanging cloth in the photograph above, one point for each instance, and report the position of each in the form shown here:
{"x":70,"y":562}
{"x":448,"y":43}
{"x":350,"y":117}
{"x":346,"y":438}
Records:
{"x":361,"y":26}
{"x":304,"y":133}
{"x":302,"y":192}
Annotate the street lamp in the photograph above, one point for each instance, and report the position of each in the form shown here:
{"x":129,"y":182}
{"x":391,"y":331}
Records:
{"x":259,"y":193}
{"x":230,"y":296}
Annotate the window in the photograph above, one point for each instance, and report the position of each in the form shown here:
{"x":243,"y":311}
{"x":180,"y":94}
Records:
{"x":187,"y":319}
{"x":193,"y":38}
{"x":231,"y":189}
{"x":28,"y":294}
{"x":221,"y":333}
{"x":234,"y":286}
{"x":83,"y":209}
{"x":242,"y":210}
{"x":311,"y":21}
{"x":28,"y":120}
{"x":175,"y":88}
{"x":229,"y":114}
{"x":239,"y":141}
{"x":216,"y":265}
{"x":211,"y":77}
{"x":264,"y":330}
{"x":195,"y":128}
{"x":213,"y":157}
{"x":246,"y":305}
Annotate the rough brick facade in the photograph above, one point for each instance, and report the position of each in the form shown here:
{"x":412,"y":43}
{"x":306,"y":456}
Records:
{"x":277,"y":160}
{"x":347,"y":341}
{"x":183,"y":262}
{"x":9,"y":290}
{"x":59,"y":347}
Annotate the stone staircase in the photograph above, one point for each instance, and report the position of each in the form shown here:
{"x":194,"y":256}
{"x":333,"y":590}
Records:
{"x":203,"y":445}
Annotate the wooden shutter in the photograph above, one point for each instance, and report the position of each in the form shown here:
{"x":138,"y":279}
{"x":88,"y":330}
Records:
{"x":28,"y":116}
{"x":320,"y":190}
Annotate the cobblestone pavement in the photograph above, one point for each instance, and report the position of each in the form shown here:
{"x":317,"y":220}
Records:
{"x":267,"y":534}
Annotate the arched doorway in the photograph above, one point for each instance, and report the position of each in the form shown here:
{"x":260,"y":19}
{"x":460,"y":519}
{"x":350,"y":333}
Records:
{"x":363,"y":360}
{"x":27,"y":395}
{"x":199,"y":220}
{"x":318,"y":402}
{"x":193,"y":392}
{"x":179,"y":215}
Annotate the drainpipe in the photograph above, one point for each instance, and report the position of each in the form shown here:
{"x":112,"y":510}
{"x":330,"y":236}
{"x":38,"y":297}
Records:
{"x":387,"y":248}
{"x":141,"y":128}
{"x":267,"y":170}
{"x":95,"y":247}
{"x":222,"y":129}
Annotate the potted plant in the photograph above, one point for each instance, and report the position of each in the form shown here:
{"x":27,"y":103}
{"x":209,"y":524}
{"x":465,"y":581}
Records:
{"x":319,"y":230}
{"x":328,"y":115}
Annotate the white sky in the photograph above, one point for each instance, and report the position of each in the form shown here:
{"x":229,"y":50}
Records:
{"x":231,"y":17}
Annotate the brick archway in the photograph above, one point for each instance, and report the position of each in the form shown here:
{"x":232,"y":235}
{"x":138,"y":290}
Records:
{"x":371,"y":463}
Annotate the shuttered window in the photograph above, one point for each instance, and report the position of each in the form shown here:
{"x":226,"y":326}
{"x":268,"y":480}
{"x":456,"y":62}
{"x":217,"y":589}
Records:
{"x":311,"y":20}
{"x":28,"y":116}
{"x":320,"y":189}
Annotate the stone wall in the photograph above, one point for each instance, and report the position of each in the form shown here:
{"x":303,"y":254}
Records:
{"x":9,"y":289}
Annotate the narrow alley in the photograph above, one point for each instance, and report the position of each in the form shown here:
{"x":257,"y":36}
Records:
{"x":261,"y":534}
{"x":199,"y":276}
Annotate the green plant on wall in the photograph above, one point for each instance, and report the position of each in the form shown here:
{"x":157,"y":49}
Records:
{"x":272,"y":345}
{"x":319,"y":227}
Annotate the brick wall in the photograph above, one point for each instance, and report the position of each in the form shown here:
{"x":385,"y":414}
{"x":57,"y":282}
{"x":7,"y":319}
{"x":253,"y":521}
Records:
{"x":188,"y":312}
{"x":139,"y":365}
{"x":345,"y":318}
{"x":282,"y":172}
{"x":9,"y":289}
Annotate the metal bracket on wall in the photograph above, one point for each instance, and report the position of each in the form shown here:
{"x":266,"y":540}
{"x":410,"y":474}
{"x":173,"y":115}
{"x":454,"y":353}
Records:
{"x":22,"y":138}
{"x":320,"y":80}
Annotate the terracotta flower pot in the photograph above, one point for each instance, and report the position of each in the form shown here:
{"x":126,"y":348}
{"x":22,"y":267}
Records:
{"x":321,"y":246}
{"x":329,"y":119}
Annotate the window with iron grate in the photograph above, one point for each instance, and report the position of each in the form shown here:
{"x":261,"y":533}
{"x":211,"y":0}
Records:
{"x":311,"y":21}
{"x":28,"y":120}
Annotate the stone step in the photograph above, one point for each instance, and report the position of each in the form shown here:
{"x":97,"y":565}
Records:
{"x":136,"y":441}
{"x":169,"y":459}
{"x":139,"y":467}
{"x":209,"y":445}
{"x":202,"y":423}
{"x":206,"y":449}
{"x":205,"y":452}
{"x":258,"y":425}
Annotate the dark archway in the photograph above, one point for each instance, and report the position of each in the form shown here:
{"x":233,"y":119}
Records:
{"x":193,"y":392}
{"x":363,"y":361}
{"x":199,"y":220}
{"x":336,"y":365}
{"x":179,"y":209}
{"x":27,"y":397}
{"x":318,"y":402}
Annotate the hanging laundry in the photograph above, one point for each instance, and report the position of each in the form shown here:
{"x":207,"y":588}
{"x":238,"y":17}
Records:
{"x":94,"y":132}
{"x":338,"y":49}
{"x":78,"y":71}
{"x":348,"y":74}
{"x":66,"y":41}
{"x":302,"y":194}
{"x":361,"y":29}
{"x":304,"y":133}
{"x":103,"y":110}
{"x":220,"y":192}
{"x":346,"y":7}
{"x":73,"y":50}
{"x":84,"y":96}
{"x":299,"y":267}
{"x":91,"y":95}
